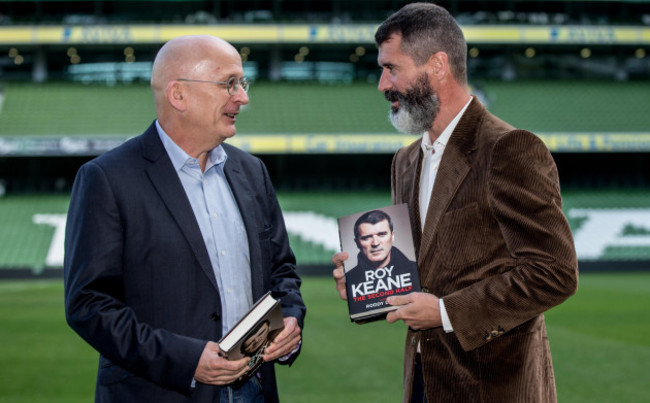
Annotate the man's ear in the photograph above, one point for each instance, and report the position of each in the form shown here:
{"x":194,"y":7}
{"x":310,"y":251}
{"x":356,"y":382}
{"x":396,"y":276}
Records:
{"x":176,"y":95}
{"x":438,"y":65}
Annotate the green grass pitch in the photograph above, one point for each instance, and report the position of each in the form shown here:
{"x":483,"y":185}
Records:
{"x":600,"y":340}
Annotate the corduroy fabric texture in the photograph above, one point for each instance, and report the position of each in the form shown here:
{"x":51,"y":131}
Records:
{"x":497,"y":247}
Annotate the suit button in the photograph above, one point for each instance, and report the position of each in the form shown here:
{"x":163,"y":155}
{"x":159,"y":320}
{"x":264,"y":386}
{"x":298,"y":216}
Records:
{"x":413,"y":341}
{"x":215,"y":316}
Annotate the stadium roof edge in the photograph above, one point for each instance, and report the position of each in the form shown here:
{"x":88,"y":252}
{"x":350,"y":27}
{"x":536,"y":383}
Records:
{"x":315,"y":33}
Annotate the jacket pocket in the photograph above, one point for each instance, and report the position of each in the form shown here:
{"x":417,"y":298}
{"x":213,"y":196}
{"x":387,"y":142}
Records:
{"x":265,"y":245}
{"x":265,"y":234}
{"x":462,"y":239}
{"x":110,"y":373}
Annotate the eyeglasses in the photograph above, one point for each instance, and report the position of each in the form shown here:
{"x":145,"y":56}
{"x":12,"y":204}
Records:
{"x":232,"y":84}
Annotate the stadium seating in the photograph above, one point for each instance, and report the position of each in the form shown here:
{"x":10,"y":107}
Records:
{"x":62,"y":109}
{"x":575,"y":73}
{"x":609,"y":225}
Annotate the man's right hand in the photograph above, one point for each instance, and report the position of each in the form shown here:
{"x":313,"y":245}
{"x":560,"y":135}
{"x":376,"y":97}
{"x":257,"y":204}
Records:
{"x":213,"y":369}
{"x":339,"y":273}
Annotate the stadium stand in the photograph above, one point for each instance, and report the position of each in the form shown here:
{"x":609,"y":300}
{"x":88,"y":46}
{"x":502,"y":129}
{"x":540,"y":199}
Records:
{"x":73,"y":84}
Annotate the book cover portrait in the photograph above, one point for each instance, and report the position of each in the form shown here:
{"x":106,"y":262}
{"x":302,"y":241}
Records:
{"x":250,"y":336}
{"x":382,"y":259}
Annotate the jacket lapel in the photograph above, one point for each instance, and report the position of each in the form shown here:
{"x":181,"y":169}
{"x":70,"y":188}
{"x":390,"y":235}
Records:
{"x":164,"y":178}
{"x":243,"y":193}
{"x":454,"y":168}
{"x":410,"y":191}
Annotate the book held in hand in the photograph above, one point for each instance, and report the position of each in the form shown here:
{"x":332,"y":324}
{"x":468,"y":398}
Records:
{"x":381,"y":260}
{"x":255,"y":331}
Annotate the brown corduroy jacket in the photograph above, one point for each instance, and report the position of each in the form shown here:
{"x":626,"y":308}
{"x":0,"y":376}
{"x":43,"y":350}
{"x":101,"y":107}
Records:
{"x":499,"y":251}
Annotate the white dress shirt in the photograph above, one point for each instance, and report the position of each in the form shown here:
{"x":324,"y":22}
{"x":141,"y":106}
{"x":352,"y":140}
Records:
{"x":430,"y":163}
{"x":221,"y":226}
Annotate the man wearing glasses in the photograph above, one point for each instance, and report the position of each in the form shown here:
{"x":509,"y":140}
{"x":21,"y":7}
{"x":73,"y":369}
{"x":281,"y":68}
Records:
{"x":173,"y":236}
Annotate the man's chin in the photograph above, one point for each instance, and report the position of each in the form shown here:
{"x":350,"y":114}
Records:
{"x":228,"y":133}
{"x":402,"y":126}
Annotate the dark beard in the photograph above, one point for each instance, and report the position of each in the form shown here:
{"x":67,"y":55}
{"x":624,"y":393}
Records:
{"x":418,"y":107}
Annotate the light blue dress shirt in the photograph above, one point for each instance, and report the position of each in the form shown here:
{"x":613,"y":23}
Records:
{"x":221,"y":225}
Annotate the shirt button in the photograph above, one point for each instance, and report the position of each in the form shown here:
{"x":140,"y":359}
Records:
{"x":214,"y":215}
{"x":223,"y":253}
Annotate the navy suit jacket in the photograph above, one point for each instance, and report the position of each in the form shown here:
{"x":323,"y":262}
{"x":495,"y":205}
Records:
{"x":139,"y":286}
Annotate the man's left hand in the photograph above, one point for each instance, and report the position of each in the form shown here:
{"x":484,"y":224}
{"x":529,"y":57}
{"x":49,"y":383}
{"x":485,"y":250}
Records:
{"x":285,"y":342}
{"x":418,"y":310}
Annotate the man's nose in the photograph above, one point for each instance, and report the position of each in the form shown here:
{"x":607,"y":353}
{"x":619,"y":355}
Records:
{"x":240,"y":97}
{"x":384,"y":83}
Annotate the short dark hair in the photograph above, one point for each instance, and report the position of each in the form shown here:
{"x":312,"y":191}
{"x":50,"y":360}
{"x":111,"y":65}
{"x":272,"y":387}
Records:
{"x":372,"y":217}
{"x":427,"y":29}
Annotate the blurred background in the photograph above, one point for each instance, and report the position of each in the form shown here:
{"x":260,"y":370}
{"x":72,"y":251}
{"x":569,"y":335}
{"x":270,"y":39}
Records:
{"x":74,"y":84}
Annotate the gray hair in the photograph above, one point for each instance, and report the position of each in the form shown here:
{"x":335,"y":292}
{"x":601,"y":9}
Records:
{"x":427,"y":29}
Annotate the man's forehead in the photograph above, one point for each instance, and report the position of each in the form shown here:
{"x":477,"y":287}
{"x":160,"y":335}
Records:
{"x":390,"y":51}
{"x":393,"y":42}
{"x":220,"y":66}
{"x":367,"y":227}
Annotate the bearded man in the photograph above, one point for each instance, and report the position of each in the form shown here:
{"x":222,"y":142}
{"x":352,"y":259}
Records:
{"x":494,"y":250}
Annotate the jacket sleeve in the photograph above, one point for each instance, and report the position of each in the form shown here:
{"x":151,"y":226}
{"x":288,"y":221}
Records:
{"x":524,"y":198}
